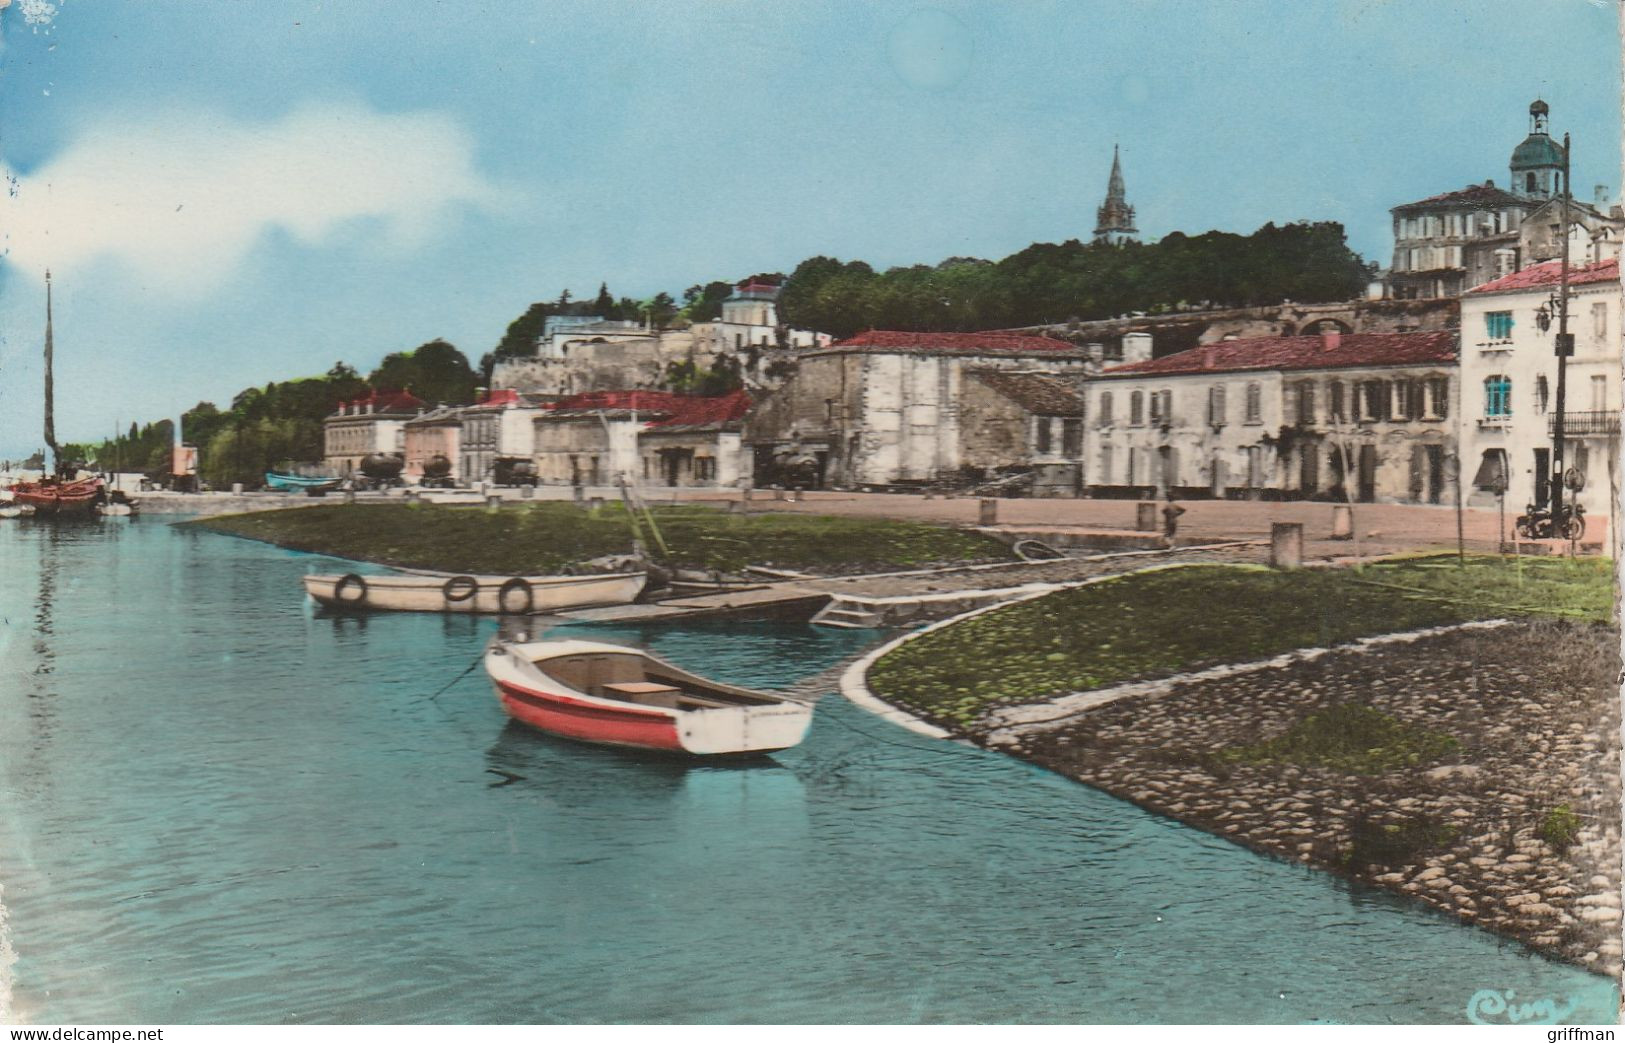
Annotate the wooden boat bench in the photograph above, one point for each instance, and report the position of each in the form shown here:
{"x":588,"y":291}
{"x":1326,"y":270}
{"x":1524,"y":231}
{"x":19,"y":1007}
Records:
{"x":650,"y":693}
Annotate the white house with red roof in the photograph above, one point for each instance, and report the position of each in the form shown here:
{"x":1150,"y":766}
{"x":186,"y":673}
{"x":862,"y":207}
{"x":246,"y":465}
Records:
{"x":374,"y":423}
{"x":1509,"y":385}
{"x":1279,"y":417}
{"x":885,"y":407}
{"x":646,"y":437}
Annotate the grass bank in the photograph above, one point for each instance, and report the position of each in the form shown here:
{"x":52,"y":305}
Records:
{"x":545,"y":537}
{"x":1156,"y":624}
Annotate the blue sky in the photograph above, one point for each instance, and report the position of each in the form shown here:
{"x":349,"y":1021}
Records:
{"x":234,"y":193}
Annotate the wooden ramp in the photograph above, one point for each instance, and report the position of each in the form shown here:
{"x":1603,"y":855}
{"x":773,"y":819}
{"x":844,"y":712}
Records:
{"x":777,"y":601}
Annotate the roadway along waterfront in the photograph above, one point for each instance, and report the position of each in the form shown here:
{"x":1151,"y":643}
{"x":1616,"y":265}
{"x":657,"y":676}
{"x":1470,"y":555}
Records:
{"x":220,"y":806}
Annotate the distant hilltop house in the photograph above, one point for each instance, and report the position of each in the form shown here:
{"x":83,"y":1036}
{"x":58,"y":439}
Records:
{"x":1446,"y":244}
{"x":1367,"y":416}
{"x":891,"y":407}
{"x":579,"y":354}
{"x":646,"y":437}
{"x":362,"y":427}
{"x":1509,"y":386}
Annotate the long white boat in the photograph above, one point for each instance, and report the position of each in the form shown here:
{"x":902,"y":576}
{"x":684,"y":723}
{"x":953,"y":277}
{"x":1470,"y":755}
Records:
{"x":493,"y":595}
{"x":615,"y":695}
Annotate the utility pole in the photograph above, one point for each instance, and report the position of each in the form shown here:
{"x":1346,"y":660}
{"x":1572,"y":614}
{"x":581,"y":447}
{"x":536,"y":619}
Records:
{"x":1565,"y":348}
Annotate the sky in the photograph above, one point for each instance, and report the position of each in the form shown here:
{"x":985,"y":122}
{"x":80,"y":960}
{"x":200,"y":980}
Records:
{"x":234,"y":193}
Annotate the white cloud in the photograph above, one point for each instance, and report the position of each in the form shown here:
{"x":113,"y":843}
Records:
{"x":183,"y":198}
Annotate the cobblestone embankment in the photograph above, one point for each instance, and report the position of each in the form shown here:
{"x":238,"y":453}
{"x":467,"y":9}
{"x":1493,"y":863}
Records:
{"x":1517,"y":829}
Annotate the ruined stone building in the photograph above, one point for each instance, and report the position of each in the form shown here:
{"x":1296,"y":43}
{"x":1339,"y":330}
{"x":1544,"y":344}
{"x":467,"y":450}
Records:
{"x":888,"y":407}
{"x":1279,"y":417}
{"x":374,"y":423}
{"x":1446,"y":244}
{"x":646,"y":437}
{"x":577,"y":357}
{"x":1509,"y":385}
{"x":1022,"y":420}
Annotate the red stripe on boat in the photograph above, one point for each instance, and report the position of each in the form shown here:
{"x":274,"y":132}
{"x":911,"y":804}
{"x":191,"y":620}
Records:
{"x":590,"y":722}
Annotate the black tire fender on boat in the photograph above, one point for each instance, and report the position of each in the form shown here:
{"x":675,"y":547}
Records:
{"x":460,"y":588}
{"x":346,"y":581}
{"x":519,"y":584}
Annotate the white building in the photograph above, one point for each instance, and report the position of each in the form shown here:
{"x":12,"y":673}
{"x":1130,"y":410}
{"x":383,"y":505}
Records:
{"x":1365,"y":416}
{"x":1509,"y":384}
{"x":374,"y":424}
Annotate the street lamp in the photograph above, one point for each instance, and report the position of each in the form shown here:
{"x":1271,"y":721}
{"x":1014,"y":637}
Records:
{"x":1563,"y":348}
{"x":1558,"y":303}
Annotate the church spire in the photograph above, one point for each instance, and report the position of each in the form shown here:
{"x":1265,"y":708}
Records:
{"x":1114,"y":221}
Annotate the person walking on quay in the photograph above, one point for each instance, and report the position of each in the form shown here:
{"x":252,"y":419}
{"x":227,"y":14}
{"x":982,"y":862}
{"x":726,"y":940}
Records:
{"x":1170,"y":519}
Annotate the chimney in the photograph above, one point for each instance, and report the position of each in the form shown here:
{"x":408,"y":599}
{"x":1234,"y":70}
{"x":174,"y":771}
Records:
{"x":1601,"y":196}
{"x":1136,"y":347}
{"x":1207,"y":356}
{"x":1330,"y":339}
{"x":1097,"y":351}
{"x":1489,"y":182}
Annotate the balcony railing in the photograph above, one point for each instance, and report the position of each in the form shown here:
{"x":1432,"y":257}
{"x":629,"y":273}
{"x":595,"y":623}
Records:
{"x":1593,"y":422}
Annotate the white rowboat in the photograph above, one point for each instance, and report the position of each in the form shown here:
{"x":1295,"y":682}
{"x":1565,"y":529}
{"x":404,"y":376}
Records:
{"x":615,"y":695}
{"x":492,"y":595}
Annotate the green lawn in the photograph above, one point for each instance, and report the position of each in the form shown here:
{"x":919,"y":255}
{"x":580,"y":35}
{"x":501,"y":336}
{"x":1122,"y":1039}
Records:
{"x":1156,"y":624}
{"x":544,"y":537}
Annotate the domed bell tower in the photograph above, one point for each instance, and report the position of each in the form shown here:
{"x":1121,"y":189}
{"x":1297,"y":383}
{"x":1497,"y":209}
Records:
{"x":1537,"y":162}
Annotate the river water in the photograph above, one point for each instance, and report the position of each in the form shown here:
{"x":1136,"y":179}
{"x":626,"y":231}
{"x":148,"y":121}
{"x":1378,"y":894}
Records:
{"x":217,"y":805}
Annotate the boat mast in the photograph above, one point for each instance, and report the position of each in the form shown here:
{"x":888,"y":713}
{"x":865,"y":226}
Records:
{"x":50,"y":420}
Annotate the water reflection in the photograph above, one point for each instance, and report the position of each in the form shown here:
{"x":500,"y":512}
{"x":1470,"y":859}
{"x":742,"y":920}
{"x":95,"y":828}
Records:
{"x":244,"y":812}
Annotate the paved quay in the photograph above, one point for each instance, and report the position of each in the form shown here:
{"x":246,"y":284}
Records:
{"x":1517,"y":829}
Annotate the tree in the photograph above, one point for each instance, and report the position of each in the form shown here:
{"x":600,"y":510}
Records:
{"x":603,"y":304}
{"x":704,"y":303}
{"x":434,"y":372}
{"x":659,"y":310}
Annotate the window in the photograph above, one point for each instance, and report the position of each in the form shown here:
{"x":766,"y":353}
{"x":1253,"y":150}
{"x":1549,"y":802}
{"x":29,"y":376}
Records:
{"x":1599,"y":321}
{"x":1498,"y":325}
{"x":1072,"y":438}
{"x":1542,"y":395}
{"x":1439,"y":391}
{"x":1599,"y":394}
{"x":1371,"y":400}
{"x":1136,"y":409}
{"x":1255,"y":404}
{"x":1529,"y":183}
{"x":1497,"y":396}
{"x":1399,"y":400}
{"x":1306,"y":405}
{"x":1105,"y":409}
{"x":1156,"y":407}
{"x":1215,"y":405}
{"x":704,"y":468}
{"x":1105,"y":477}
{"x":1337,"y":412}
{"x":1043,"y":434}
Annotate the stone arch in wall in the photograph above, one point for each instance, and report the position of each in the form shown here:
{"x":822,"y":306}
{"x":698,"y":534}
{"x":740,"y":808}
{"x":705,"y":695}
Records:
{"x":1327,"y":325}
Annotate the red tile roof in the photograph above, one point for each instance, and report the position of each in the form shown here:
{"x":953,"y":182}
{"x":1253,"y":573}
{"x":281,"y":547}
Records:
{"x":715,"y":411}
{"x":1550,"y":273}
{"x":1331,"y":351}
{"x":386,"y":402}
{"x":956,"y":343}
{"x":663,"y":408}
{"x":1478,"y":196}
